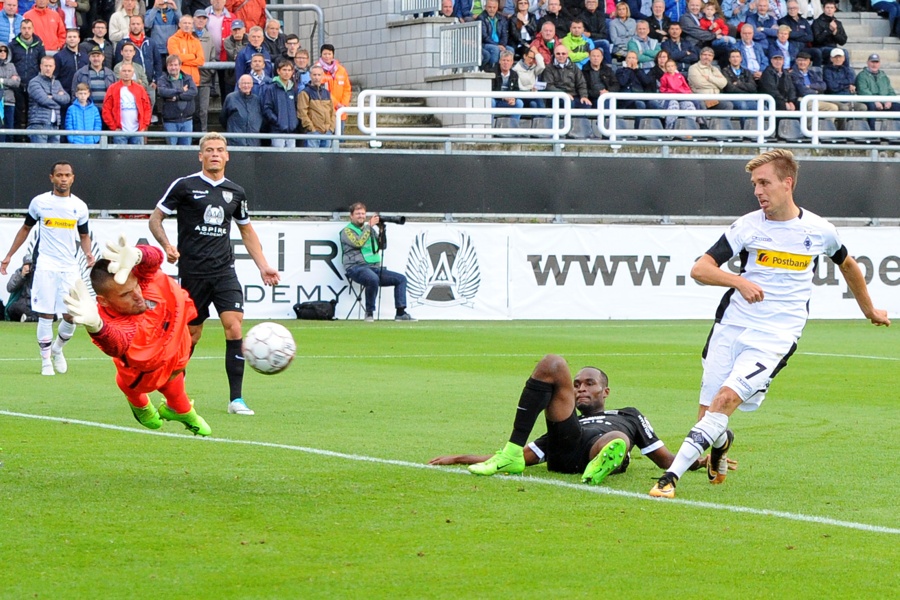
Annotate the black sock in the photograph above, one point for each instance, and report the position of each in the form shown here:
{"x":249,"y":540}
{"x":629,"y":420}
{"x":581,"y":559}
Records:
{"x":401,"y":311}
{"x":234,"y":367}
{"x":535,"y":398}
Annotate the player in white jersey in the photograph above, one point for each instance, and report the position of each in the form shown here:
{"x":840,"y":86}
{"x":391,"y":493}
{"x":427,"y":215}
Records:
{"x":62,"y":221}
{"x":762,"y":315}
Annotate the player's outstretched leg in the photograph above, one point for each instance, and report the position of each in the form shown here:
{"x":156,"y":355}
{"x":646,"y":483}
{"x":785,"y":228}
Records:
{"x":665,"y":487}
{"x":147,"y":416}
{"x":717,"y":467}
{"x":191,"y":420}
{"x":509,"y":460}
{"x":610,"y":458}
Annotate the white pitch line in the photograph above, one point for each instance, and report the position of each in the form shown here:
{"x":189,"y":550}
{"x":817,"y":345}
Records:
{"x":525,"y":478}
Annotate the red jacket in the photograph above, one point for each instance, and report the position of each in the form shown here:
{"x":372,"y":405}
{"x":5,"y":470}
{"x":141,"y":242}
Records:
{"x":251,"y":12}
{"x":112,"y":106}
{"x":49,"y":26}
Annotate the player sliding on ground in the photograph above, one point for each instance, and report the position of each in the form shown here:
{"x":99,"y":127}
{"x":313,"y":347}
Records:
{"x":140,"y":319}
{"x":596,"y":444}
{"x":760,"y":319}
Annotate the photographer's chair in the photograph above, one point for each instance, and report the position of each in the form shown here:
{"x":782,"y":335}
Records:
{"x":358,"y":293}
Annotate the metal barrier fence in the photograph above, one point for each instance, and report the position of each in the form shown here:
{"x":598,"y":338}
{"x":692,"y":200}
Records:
{"x":413,"y":7}
{"x":461,"y":46}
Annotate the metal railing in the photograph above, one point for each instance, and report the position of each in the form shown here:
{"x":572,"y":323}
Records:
{"x":320,"y":18}
{"x":413,"y":7}
{"x":811,"y":117}
{"x":460,"y":46}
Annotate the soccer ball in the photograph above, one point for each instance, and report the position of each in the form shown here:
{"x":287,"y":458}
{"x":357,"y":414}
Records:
{"x":269,"y":348}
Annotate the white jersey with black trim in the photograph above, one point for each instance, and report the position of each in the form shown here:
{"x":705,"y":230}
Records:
{"x":59,"y":219}
{"x":780,"y":257}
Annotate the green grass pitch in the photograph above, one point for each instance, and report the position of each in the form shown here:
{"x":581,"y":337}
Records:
{"x":319,"y":494}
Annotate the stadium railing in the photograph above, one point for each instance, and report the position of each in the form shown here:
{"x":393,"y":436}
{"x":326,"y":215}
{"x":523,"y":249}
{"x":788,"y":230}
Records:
{"x":412,"y":7}
{"x":460,"y":46}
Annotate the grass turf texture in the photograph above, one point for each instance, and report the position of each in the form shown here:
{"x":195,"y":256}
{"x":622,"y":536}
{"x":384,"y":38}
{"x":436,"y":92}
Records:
{"x":89,"y":512}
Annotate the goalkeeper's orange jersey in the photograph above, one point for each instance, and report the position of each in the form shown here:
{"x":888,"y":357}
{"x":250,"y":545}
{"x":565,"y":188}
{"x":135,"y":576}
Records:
{"x":149,"y":348}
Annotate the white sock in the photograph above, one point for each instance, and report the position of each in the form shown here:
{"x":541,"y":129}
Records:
{"x":45,"y":336}
{"x":63,"y":335}
{"x":709,"y":429}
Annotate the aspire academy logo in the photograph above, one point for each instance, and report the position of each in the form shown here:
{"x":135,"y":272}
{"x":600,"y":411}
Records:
{"x":443,"y":272}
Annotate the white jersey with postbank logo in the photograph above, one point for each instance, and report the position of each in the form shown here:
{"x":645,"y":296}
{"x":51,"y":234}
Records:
{"x":780,"y":257}
{"x":60,"y":221}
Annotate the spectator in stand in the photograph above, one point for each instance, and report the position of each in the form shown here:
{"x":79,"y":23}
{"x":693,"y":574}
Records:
{"x":872,"y":81}
{"x":599,"y":77}
{"x":656,"y":72}
{"x":621,"y":30}
{"x":808,"y":82}
{"x":736,"y":12}
{"x":258,"y":74}
{"x":69,"y":59}
{"x":9,"y":81}
{"x":681,"y":51}
{"x":673,"y":82}
{"x":529,"y":70}
{"x":595,"y":27}
{"x":632,"y":79}
{"x":162,"y":21}
{"x":188,"y":48}
{"x":579,"y":45}
{"x":127,"y":108}
{"x":316,"y":111}
{"x":129,"y":52}
{"x":99,"y":41}
{"x":462,"y":10}
{"x":254,"y":45}
{"x":754,"y":58}
{"x":740,"y":80}
{"x":494,"y":35}
{"x":675,"y":9}
{"x":765,"y":25}
{"x":644,"y":46}
{"x":291,"y":46}
{"x":891,"y":10}
{"x":27,"y":51}
{"x":177,"y":92}
{"x":48,"y":25}
{"x":97,"y":77}
{"x":219,"y":26}
{"x":83,"y":115}
{"x":301,"y":69}
{"x":522,"y":27}
{"x":147,"y":54}
{"x":18,"y":306}
{"x":788,"y":49}
{"x":557,"y":15}
{"x":546,"y":42}
{"x":777,"y":82}
{"x":336,"y":78}
{"x":279,"y":103}
{"x":204,"y":89}
{"x":10,"y":21}
{"x":242,"y":113}
{"x":274,"y":40}
{"x":840,"y":80}
{"x":562,"y":75}
{"x":658,"y":21}
{"x":506,"y":80}
{"x":232,"y":45}
{"x":120,"y":21}
{"x":46,"y":99}
{"x":691,"y":29}
{"x":706,"y":78}
{"x":713,"y":21}
{"x":251,"y":12}
{"x":828,"y":32}
{"x":801,"y":31}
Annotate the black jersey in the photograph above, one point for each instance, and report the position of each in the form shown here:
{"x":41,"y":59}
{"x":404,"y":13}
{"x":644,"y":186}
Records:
{"x":629,"y":421}
{"x":205,"y":210}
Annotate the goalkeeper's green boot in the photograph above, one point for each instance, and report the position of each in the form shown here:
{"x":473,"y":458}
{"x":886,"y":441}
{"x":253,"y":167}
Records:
{"x":191,"y":420}
{"x":147,"y":416}
{"x":509,"y":460}
{"x":610,"y":458}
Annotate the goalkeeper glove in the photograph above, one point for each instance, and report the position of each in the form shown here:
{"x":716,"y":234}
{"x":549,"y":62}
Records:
{"x":83,"y":307}
{"x":122,"y":258}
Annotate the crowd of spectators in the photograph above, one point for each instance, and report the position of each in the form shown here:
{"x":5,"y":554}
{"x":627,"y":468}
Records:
{"x":121,"y":65}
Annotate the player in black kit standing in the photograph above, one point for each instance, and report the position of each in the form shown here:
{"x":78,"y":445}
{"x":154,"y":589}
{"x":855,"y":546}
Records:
{"x":206,"y":203}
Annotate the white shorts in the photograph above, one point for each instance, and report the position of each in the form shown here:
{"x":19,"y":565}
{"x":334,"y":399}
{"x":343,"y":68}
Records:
{"x":48,"y":289}
{"x":744,"y":360}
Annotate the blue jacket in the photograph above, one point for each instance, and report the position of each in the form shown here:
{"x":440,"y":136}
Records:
{"x":177,"y":103}
{"x":147,"y":56}
{"x":760,"y":54}
{"x":83,"y":118}
{"x":4,"y":26}
{"x":67,"y":62}
{"x":816,"y":84}
{"x":242,"y":61}
{"x":838,"y":80}
{"x":793,"y":51}
{"x":770,"y":25}
{"x":161,"y":32}
{"x":502,"y":30}
{"x":27,"y":57}
{"x":280,"y":106}
{"x":242,"y":114}
{"x":45,"y":97}
{"x":462,"y":9}
{"x":675,"y":8}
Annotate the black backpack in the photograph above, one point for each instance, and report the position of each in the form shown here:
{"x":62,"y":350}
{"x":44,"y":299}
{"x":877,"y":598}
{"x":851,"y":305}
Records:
{"x":316,"y":311}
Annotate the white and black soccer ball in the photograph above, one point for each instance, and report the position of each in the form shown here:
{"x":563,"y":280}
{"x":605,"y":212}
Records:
{"x":269,"y":348}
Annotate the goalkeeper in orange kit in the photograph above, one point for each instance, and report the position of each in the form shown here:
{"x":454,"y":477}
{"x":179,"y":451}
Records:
{"x":140,"y":318}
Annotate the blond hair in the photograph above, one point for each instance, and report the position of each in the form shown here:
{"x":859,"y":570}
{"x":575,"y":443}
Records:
{"x":213,"y":136}
{"x":783,"y":162}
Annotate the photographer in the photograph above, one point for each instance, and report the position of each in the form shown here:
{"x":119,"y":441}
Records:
{"x":19,"y":288}
{"x":362,"y":261}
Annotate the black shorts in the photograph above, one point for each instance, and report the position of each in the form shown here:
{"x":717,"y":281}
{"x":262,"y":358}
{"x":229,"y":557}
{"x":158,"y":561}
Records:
{"x":569,"y":445}
{"x":225,"y":293}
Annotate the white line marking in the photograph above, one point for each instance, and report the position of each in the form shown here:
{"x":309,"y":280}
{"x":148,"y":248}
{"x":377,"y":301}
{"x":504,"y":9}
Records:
{"x":525,"y":478}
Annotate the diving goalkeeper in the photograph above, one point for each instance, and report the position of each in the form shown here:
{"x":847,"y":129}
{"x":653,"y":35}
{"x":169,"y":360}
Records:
{"x":140,"y":318}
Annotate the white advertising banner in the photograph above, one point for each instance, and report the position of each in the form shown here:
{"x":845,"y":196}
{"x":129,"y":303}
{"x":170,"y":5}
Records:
{"x":514,"y":271}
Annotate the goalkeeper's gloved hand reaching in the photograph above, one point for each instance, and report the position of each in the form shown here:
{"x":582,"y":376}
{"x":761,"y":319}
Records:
{"x":122,"y":258}
{"x":83,"y":307}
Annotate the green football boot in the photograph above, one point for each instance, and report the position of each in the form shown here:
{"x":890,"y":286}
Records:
{"x":509,"y":460}
{"x":191,"y":420}
{"x":147,"y":416}
{"x":610,"y":458}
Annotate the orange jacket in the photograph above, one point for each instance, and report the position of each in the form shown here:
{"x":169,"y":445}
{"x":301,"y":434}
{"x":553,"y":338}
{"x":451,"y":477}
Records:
{"x":189,"y":50}
{"x":338,"y":86}
{"x":251,"y":12}
{"x":49,"y":26}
